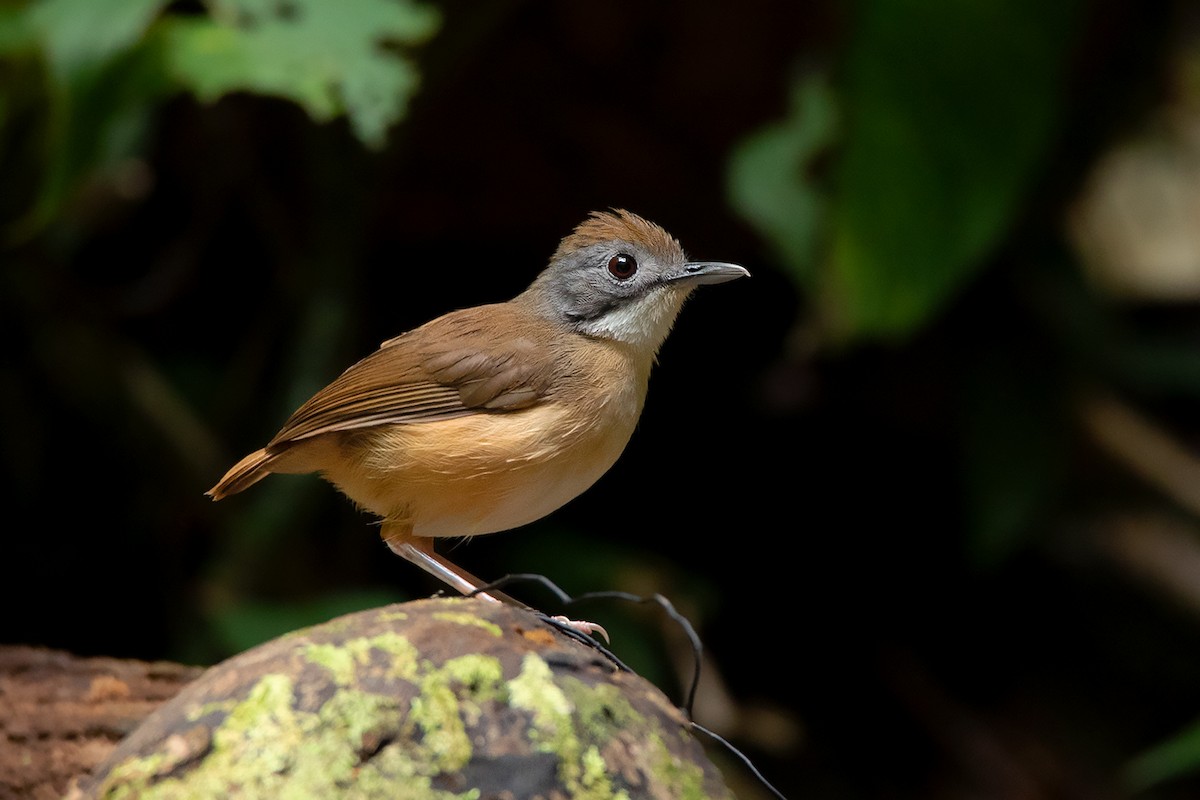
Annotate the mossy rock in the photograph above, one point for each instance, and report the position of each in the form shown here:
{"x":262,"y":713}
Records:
{"x":441,"y":698}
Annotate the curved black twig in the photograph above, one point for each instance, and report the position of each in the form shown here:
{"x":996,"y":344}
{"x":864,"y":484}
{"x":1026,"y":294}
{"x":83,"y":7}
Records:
{"x":566,"y":599}
{"x":662,"y":602}
{"x":741,"y":757}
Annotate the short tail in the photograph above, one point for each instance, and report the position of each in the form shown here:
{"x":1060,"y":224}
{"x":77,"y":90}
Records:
{"x":247,"y":472}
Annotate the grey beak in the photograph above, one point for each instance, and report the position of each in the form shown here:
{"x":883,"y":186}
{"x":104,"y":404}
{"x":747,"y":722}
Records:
{"x":703,"y":272}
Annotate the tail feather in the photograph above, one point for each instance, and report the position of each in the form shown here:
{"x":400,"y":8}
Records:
{"x":247,"y":472}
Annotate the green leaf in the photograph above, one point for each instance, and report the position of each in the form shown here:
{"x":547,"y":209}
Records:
{"x":79,"y":35}
{"x":945,"y":112}
{"x":768,"y":177}
{"x":330,"y":58}
{"x":950,"y":109}
{"x":15,"y":31}
{"x":110,"y":62}
{"x":1176,"y":757}
{"x":102,"y":80}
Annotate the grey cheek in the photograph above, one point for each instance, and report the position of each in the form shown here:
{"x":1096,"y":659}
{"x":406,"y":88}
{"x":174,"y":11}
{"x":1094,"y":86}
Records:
{"x":591,"y":307}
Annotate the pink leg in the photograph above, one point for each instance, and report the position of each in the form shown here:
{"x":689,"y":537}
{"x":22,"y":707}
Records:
{"x":420,"y":552}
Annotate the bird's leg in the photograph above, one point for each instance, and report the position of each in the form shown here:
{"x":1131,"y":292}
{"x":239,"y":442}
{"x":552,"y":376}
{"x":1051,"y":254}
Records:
{"x":420,"y":551}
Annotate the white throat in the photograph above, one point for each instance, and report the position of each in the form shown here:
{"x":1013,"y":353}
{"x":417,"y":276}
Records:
{"x":643,"y":323}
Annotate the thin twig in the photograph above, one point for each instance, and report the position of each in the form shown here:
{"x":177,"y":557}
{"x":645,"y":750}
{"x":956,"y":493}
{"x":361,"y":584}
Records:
{"x":666,"y":605}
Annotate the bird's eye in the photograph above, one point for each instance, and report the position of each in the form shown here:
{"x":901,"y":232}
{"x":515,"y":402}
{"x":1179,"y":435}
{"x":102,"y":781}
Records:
{"x":622,"y":266}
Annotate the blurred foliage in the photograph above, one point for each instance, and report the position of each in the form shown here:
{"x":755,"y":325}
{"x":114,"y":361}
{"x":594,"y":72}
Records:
{"x":1175,"y":757}
{"x":895,"y":178}
{"x":899,"y":176}
{"x":330,"y":58}
{"x":927,"y":176}
{"x":772,"y":178}
{"x":250,"y":623}
{"x":111,"y":63}
{"x":933,"y":441}
{"x":90,"y":79}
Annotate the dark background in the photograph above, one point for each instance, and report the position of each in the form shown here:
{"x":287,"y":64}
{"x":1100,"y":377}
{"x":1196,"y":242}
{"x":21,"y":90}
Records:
{"x":929,"y":562}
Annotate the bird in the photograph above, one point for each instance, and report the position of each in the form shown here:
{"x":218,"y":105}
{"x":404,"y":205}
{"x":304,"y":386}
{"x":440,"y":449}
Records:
{"x":488,"y":418}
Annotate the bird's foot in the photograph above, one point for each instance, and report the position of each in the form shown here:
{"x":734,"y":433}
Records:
{"x":586,"y":628}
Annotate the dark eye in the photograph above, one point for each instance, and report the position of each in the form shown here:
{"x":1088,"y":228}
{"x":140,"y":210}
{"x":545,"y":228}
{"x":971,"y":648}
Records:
{"x":622,"y":266}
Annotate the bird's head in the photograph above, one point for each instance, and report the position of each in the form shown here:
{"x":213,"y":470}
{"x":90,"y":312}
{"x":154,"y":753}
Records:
{"x":621,"y":277}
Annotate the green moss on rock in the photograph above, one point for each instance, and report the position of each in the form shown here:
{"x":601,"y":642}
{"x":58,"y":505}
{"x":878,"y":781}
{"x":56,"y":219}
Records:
{"x":428,"y":704}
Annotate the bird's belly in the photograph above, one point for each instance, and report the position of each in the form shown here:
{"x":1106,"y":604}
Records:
{"x":499,"y":503}
{"x":485,"y":472}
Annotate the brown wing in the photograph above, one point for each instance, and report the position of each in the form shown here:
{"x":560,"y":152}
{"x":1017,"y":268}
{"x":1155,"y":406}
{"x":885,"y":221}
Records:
{"x":466,"y":362}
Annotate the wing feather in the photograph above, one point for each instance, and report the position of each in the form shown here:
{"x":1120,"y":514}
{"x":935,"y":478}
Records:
{"x":456,"y":365}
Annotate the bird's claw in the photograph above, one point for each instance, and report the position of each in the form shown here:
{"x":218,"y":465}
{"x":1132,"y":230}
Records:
{"x":586,"y":628}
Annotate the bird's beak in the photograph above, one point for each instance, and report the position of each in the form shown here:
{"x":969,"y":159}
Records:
{"x":708,"y":272}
